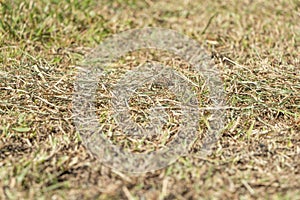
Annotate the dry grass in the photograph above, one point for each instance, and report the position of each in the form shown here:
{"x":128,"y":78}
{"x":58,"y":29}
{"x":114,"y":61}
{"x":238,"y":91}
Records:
{"x":255,"y":45}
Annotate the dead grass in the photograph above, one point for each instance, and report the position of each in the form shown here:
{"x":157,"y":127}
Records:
{"x":254,"y":43}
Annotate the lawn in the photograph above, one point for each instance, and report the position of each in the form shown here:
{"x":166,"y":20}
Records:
{"x":254,"y":45}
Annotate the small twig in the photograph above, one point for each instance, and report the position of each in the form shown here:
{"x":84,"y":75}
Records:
{"x":248,"y":187}
{"x":127,"y":193}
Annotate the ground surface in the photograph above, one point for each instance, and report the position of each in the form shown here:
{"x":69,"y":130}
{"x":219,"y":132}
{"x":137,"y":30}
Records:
{"x":256,"y":46}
